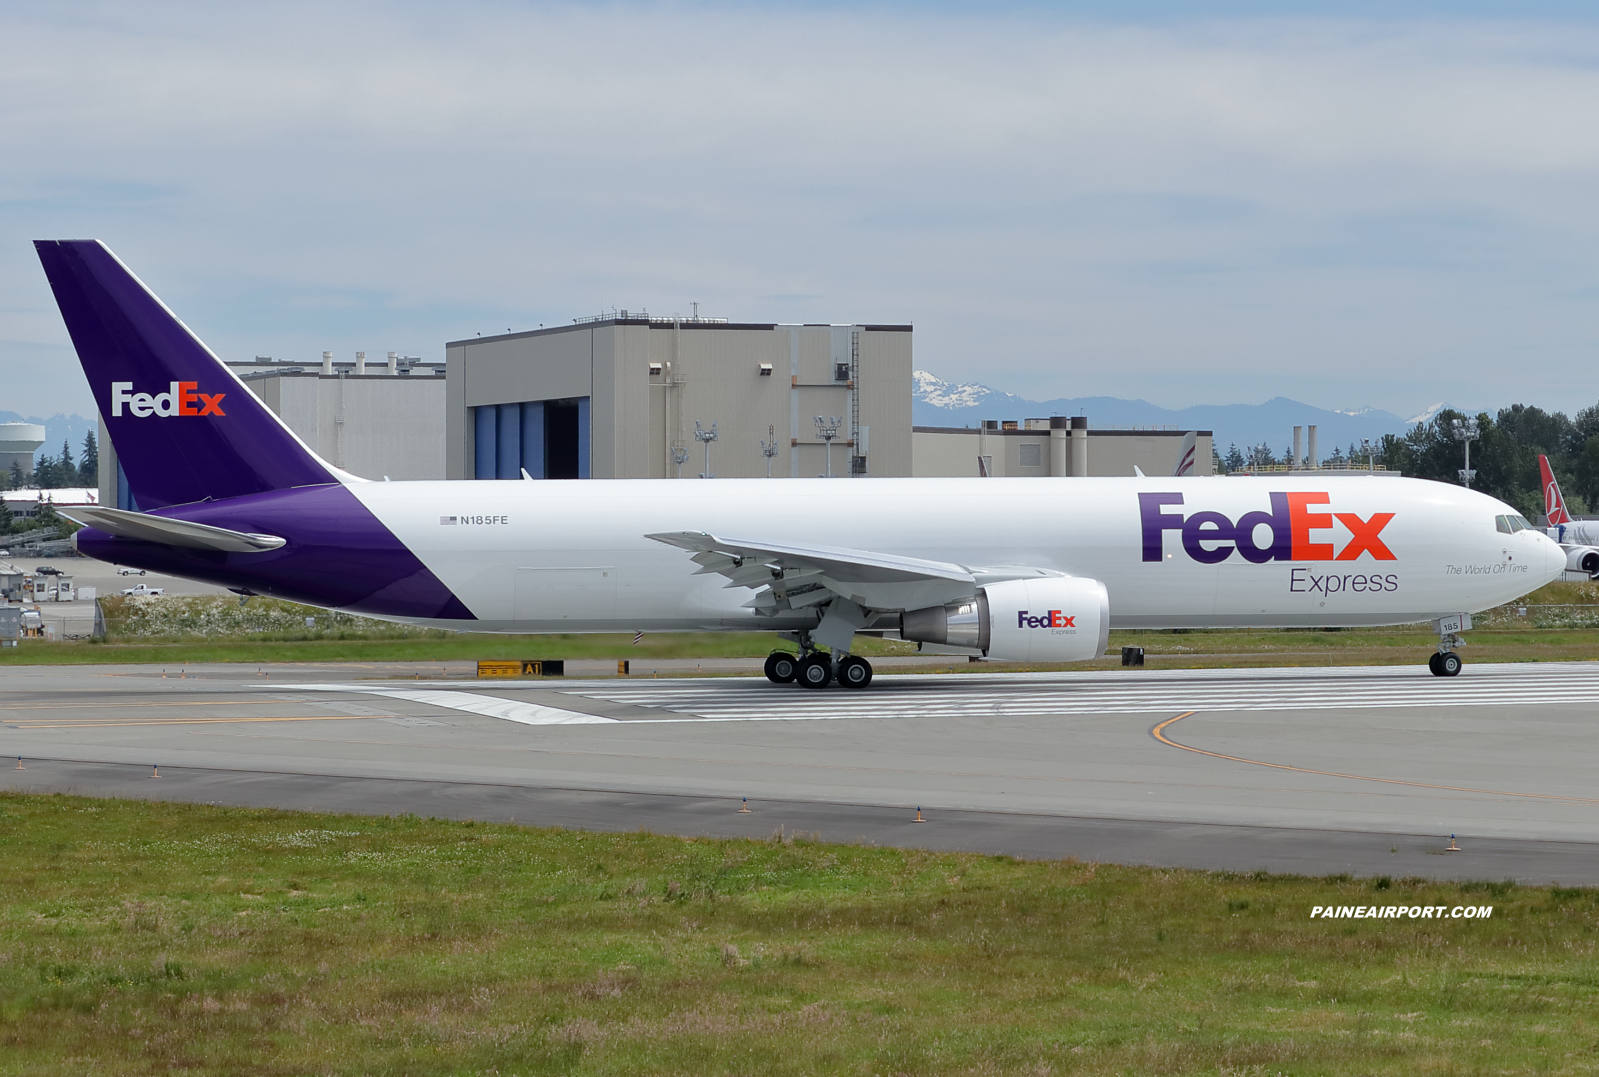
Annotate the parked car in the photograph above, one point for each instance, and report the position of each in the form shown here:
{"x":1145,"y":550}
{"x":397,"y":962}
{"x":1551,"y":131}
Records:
{"x":47,"y":570}
{"x":130,"y":572}
{"x":141,"y":589}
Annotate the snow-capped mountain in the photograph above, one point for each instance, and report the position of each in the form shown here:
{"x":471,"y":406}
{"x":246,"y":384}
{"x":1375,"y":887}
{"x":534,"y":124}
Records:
{"x":1427,"y":416}
{"x":938,"y":393}
{"x":937,"y":402}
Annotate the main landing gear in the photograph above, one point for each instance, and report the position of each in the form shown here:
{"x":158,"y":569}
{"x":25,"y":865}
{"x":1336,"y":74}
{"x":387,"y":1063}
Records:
{"x":781,"y":667}
{"x":815,"y":669}
{"x":854,"y":672}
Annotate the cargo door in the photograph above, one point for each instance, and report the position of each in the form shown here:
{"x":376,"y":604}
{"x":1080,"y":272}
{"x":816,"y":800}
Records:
{"x":579,"y":593}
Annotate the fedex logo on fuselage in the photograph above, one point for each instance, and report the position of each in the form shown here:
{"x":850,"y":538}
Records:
{"x":1048,"y":619}
{"x":1211,"y":537}
{"x":179,"y":399}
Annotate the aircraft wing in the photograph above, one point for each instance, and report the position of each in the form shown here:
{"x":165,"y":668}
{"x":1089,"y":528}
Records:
{"x":167,"y":531}
{"x":788,"y":576}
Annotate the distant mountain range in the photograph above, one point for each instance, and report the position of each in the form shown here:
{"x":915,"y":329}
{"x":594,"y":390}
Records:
{"x":937,"y":402}
{"x":57,"y":428}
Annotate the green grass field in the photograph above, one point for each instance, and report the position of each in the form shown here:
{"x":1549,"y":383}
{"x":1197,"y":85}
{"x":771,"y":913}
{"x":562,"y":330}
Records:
{"x":1167,"y":650}
{"x":153,"y":938}
{"x":1563,"y":624}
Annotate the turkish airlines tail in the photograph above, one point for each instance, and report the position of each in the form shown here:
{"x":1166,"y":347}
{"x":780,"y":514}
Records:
{"x":1554,"y":506}
{"x":1185,"y":456}
{"x":184,"y":427}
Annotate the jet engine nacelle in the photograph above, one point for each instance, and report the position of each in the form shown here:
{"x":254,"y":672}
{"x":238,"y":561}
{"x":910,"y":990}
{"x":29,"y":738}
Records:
{"x":1055,"y":619}
{"x":1583,"y":559}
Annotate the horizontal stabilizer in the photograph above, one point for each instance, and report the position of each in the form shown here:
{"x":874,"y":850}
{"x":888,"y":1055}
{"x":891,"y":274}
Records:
{"x":169,"y":532}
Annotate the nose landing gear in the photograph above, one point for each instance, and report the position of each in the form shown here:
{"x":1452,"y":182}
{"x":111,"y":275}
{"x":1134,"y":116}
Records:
{"x":1446,"y":663}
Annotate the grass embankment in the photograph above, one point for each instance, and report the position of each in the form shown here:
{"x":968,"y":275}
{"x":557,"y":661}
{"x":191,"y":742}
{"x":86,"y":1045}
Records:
{"x":151,"y":938}
{"x":1562,"y":623}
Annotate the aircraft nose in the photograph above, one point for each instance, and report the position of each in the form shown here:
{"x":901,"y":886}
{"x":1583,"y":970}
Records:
{"x":1554,"y":558}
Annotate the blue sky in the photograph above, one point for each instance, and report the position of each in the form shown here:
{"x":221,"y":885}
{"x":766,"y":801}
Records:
{"x":1388,"y":204}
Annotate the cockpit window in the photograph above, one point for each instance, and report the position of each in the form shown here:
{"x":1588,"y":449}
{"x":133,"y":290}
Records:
{"x":1502,"y":524}
{"x":1520,"y":523}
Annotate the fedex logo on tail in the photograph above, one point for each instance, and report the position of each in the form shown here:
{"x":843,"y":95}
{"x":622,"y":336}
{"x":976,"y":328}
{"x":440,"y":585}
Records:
{"x":1049,"y":619}
{"x":179,"y":399}
{"x":1297,"y":533}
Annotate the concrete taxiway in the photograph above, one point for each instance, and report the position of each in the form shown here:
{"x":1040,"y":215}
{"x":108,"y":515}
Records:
{"x":1361,"y":769}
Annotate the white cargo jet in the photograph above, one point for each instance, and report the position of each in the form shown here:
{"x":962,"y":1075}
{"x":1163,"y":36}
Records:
{"x":1029,"y":570}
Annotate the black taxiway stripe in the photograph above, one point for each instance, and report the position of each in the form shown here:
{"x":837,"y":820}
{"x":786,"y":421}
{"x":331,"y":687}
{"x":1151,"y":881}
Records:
{"x":1156,"y":843}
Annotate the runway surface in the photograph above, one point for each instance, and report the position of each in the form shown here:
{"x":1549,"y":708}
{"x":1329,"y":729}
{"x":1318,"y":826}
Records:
{"x":1361,"y":769}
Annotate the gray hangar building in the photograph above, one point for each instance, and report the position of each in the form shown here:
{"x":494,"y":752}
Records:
{"x":619,"y":396}
{"x":374,"y":419}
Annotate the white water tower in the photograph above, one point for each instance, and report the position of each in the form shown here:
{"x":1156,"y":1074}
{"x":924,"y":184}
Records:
{"x":18,"y":443}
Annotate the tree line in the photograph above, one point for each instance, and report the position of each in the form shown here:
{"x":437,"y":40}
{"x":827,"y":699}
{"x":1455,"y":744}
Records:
{"x":58,"y":472}
{"x":1505,"y":456}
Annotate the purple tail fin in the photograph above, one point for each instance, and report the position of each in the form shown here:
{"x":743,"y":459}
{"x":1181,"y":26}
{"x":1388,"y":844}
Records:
{"x":185,"y":429}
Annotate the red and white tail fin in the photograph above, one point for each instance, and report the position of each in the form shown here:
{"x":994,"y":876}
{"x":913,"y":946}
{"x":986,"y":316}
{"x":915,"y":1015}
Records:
{"x":1185,"y":455}
{"x":1554,"y":506}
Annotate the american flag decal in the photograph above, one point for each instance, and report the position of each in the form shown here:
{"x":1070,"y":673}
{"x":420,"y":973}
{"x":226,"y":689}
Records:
{"x":448,"y":519}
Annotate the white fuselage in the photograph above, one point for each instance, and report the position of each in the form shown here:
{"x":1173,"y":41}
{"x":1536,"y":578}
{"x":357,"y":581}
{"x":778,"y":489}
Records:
{"x":551,"y":556}
{"x":1575,"y":534}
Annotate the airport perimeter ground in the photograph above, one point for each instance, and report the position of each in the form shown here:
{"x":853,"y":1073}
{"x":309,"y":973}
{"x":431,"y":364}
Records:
{"x":212,"y":934}
{"x":149,"y":937}
{"x":1367,"y":770}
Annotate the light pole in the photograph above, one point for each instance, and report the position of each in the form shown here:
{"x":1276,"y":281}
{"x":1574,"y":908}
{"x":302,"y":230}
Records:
{"x":827,"y":430}
{"x":769,"y":448}
{"x":705,"y":437}
{"x":1365,"y":447}
{"x":679,"y":457}
{"x":1466,"y":431}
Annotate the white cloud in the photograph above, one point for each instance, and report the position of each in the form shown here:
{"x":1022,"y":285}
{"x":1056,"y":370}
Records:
{"x":1340,"y":211}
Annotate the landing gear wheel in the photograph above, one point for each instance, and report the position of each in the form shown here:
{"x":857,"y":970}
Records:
{"x":781,"y":667}
{"x":1449,"y":664}
{"x":1432,"y":664}
{"x":815,"y":671}
{"x":854,"y":672}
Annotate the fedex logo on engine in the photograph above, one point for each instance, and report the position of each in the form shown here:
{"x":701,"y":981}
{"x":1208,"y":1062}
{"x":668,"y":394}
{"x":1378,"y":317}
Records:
{"x":1297,"y":533}
{"x":179,"y":399}
{"x":1049,"y":619}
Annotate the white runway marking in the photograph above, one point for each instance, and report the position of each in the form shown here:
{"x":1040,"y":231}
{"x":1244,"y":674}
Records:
{"x":995,"y":695}
{"x":490,"y":706}
{"x":748,"y":699}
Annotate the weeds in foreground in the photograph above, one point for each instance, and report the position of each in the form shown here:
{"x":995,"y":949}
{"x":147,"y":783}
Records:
{"x":143,"y":938}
